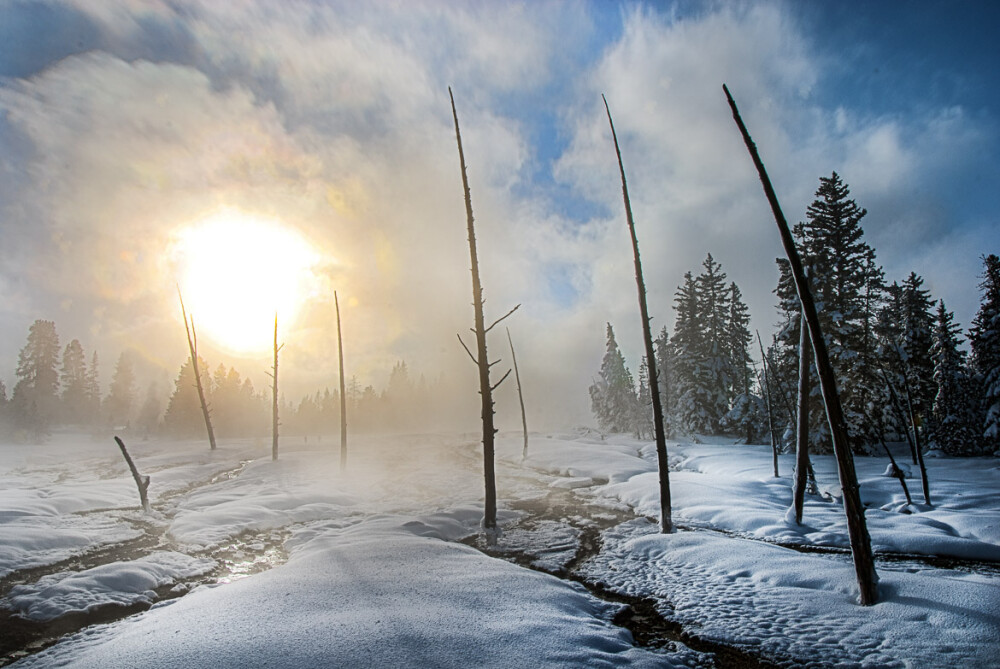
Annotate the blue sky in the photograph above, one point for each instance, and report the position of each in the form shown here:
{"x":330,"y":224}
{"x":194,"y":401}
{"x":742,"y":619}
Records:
{"x":122,"y":123}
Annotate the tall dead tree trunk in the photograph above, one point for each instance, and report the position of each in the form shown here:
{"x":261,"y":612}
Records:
{"x":767,"y":390}
{"x":520,"y":396}
{"x":857,"y":528}
{"x":480,"y":358}
{"x":343,"y":398}
{"x":141,"y":482}
{"x":274,"y":394}
{"x":192,"y":337}
{"x":896,"y":472}
{"x":666,"y":521}
{"x":802,"y":431}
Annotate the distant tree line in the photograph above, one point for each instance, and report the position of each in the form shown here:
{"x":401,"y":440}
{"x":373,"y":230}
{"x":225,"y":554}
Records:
{"x":59,"y":388}
{"x":896,"y":351}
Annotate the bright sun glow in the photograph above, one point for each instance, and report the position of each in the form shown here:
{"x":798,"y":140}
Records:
{"x":236,"y":271}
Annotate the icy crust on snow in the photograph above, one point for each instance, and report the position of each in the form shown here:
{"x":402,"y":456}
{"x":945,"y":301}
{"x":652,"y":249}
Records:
{"x":790,"y":605}
{"x":121,"y":583}
{"x":387,"y":592}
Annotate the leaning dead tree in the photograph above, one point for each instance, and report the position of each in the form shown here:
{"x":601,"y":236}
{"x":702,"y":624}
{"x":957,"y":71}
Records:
{"x":916,"y":448}
{"x":192,"y":337}
{"x":274,"y":393}
{"x":857,"y":528}
{"x":666,"y":523}
{"x":343,"y":397}
{"x":480,"y":358}
{"x":141,"y":482}
{"x":520,"y":396}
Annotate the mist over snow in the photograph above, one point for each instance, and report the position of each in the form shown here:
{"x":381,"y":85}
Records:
{"x":121,"y":123}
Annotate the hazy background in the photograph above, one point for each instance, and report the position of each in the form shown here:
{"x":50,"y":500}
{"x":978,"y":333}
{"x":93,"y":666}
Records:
{"x":123,"y":121}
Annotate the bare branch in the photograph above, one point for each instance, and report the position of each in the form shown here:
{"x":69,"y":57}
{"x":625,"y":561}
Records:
{"x":476,"y":362}
{"x":497,"y":384}
{"x":497,"y":321}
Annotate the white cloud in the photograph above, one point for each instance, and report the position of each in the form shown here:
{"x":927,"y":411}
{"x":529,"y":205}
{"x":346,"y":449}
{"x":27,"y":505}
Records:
{"x":335,"y":118}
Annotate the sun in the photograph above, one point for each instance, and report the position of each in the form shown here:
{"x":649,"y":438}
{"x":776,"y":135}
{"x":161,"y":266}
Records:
{"x":237,"y":270}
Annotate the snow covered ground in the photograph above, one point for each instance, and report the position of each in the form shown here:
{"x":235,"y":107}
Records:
{"x":375,"y":574}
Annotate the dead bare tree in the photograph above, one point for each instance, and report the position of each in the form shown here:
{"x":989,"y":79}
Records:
{"x":480,"y":358}
{"x":141,"y":482}
{"x":343,"y":398}
{"x":274,"y":393}
{"x":192,"y":337}
{"x":767,"y":390}
{"x":802,"y":431}
{"x":520,"y":396}
{"x":666,"y":522}
{"x":916,"y":448}
{"x":857,"y":528}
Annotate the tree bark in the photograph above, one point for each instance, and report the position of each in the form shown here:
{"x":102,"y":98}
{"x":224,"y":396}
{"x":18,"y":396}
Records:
{"x":192,"y":337}
{"x":666,"y":521}
{"x":141,"y":482}
{"x":802,"y":433}
{"x":520,"y":396}
{"x":343,"y":398}
{"x":864,"y":564}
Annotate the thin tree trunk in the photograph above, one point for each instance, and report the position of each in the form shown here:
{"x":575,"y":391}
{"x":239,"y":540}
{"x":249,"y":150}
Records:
{"x":481,"y":359}
{"x":864,"y":564}
{"x":919,"y":447}
{"x":767,"y":406}
{"x":666,"y":522}
{"x":520,"y":396}
{"x":897,"y":408}
{"x":274,"y":394}
{"x":897,"y":472}
{"x":141,"y":482}
{"x":343,"y":399}
{"x":192,"y":337}
{"x":767,"y":386}
{"x":802,"y":433}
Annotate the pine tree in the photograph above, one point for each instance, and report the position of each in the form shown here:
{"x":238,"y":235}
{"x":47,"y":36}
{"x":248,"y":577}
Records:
{"x":73,"y":377}
{"x":984,"y":339}
{"x":915,"y":342}
{"x":687,"y":351}
{"x":121,"y":393}
{"x":953,"y":417}
{"x":148,"y":418}
{"x":845,"y":281}
{"x":713,"y":311}
{"x":642,"y":421}
{"x":35,"y":394}
{"x":183,"y":416}
{"x":612,"y":396}
{"x":93,"y":390}
{"x":664,"y":367}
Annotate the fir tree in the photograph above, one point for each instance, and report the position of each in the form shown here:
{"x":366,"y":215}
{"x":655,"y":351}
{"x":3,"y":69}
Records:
{"x":664,"y":368}
{"x":612,"y":396}
{"x":689,"y":397}
{"x":953,"y":420}
{"x":845,"y":281}
{"x":35,"y":394}
{"x":73,"y":377}
{"x":984,"y":339}
{"x":121,"y":393}
{"x":717,"y":373}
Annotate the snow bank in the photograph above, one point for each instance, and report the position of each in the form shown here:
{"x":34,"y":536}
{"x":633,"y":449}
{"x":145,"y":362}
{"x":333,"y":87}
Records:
{"x":791,"y":605}
{"x":378,"y":594}
{"x":116,"y":583}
